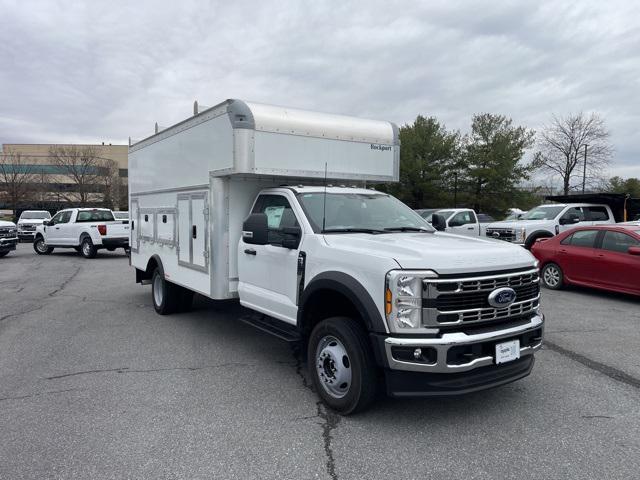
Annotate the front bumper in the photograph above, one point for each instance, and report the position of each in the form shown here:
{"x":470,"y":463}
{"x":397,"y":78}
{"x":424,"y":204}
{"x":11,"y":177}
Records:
{"x":460,"y":357}
{"x":27,"y":235}
{"x":8,"y":243}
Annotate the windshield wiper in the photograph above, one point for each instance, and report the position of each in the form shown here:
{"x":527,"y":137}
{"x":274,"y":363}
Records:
{"x":407,"y":229}
{"x":353,"y":230}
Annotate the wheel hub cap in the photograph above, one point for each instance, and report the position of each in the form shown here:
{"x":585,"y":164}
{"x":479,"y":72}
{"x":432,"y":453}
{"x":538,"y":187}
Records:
{"x":157,"y":290}
{"x":333,"y":367}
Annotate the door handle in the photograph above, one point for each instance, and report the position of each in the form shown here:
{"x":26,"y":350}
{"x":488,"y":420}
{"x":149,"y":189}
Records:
{"x":471,"y":228}
{"x":249,"y":251}
{"x":57,"y":228}
{"x":194,"y":231}
{"x":563,"y":251}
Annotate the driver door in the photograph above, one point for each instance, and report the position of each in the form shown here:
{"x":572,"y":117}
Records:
{"x":268,"y":273}
{"x":464,"y":223}
{"x":573,"y":212}
{"x":54,"y":230}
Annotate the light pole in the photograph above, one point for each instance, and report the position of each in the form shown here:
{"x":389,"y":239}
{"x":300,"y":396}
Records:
{"x":584,"y":170}
{"x":455,"y":189}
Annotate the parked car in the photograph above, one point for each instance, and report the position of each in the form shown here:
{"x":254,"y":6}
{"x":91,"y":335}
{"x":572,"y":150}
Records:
{"x":545,"y":221}
{"x":29,"y":221}
{"x":85,"y":229}
{"x":8,"y":237}
{"x":461,"y":221}
{"x":605,"y":257}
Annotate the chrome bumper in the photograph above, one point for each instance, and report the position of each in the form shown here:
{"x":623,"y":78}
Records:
{"x":449,"y":340}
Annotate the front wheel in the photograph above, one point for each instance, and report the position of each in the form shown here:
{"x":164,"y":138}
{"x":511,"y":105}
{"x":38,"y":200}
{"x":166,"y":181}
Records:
{"x":342,"y":366}
{"x":87,"y":249}
{"x":552,"y":276}
{"x":3,"y":253}
{"x":41,"y":247}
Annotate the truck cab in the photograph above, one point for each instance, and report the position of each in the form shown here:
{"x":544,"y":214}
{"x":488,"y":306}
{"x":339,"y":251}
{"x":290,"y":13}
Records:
{"x":366,"y":288}
{"x":461,"y":221}
{"x":546,"y":221}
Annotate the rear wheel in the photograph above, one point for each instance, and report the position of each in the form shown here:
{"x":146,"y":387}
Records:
{"x":552,"y":276}
{"x":169,"y":297}
{"x":3,"y":253}
{"x":87,"y":249}
{"x":41,"y":247}
{"x":342,"y":366}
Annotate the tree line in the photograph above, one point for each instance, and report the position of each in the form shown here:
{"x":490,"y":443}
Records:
{"x":489,"y":170}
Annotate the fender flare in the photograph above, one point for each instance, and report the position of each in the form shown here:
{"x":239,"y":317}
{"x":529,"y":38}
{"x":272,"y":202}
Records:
{"x":353,"y":290}
{"x":146,"y":274}
{"x":532,"y":237}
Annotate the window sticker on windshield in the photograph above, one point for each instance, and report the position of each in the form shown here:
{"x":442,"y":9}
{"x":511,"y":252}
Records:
{"x":274,"y":216}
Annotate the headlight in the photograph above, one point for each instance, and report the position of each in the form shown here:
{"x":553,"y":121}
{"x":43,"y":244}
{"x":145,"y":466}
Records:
{"x":521,"y":235}
{"x":403,"y":298}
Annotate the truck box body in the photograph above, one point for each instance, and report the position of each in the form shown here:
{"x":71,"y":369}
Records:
{"x":206,"y":171}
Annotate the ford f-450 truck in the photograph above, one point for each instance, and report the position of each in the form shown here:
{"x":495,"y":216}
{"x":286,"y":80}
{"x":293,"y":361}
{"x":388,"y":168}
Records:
{"x":235,"y":203}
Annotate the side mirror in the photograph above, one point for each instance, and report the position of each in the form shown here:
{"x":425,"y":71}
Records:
{"x":255,"y":229}
{"x":46,"y":223}
{"x":570,"y":219}
{"x":292,"y":236}
{"x":438,"y":222}
{"x":634,"y":251}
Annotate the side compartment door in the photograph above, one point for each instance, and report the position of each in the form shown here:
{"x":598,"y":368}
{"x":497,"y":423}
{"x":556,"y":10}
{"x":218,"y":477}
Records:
{"x":193,"y":223}
{"x":134,"y":221}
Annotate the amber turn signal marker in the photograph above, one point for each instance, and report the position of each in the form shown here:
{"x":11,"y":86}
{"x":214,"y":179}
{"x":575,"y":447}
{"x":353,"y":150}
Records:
{"x":387,"y":301}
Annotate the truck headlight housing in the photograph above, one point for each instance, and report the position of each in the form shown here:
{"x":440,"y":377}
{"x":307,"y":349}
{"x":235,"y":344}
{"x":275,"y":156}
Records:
{"x":403,"y":298}
{"x":521,"y":235}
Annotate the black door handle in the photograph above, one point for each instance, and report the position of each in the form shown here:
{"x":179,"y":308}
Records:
{"x":249,"y":251}
{"x":194,"y":231}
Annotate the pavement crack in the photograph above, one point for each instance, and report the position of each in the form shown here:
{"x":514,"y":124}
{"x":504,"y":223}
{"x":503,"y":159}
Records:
{"x":39,"y":394}
{"x":596,"y":416}
{"x":610,"y":372}
{"x":149,"y":370}
{"x":66,"y":282}
{"x":5,"y":317}
{"x":329,"y":424}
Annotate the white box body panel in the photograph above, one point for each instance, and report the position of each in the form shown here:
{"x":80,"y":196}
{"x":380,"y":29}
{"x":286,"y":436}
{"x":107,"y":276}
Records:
{"x":192,"y":185}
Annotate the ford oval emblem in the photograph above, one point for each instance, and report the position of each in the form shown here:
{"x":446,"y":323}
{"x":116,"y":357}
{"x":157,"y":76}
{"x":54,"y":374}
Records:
{"x":502,"y":297}
{"x":496,"y":234}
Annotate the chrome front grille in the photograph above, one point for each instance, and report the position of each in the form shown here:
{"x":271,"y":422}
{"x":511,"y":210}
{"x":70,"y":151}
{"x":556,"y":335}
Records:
{"x":7,"y":232}
{"x":507,"y":234}
{"x":465,"y":301}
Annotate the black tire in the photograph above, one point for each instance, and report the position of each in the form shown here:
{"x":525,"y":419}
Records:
{"x":87,"y":249}
{"x":77,"y":249}
{"x":2,"y":254}
{"x":531,"y":240}
{"x":552,"y":276}
{"x":40,"y":246}
{"x":110,"y":249}
{"x":342,"y":337}
{"x":166,"y":296}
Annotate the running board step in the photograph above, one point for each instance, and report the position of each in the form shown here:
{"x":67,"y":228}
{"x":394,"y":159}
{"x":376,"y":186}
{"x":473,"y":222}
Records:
{"x":271,"y":325}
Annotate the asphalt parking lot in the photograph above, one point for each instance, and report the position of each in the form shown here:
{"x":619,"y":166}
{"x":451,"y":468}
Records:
{"x":94,"y":384}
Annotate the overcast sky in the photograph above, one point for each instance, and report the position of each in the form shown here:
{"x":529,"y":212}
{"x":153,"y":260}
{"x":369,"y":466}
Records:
{"x":98,"y":71}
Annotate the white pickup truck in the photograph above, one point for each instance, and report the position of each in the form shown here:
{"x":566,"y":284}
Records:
{"x":363,"y":284}
{"x":8,"y":237}
{"x":546,"y":221}
{"x":85,"y":229}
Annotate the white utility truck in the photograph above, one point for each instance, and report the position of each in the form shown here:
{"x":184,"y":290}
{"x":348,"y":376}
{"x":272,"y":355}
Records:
{"x":546,"y":221}
{"x":232,"y":204}
{"x":86,"y":230}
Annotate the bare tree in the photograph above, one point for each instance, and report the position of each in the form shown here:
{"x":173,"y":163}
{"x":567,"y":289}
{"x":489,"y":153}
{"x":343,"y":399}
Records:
{"x":17,"y":178}
{"x":563,"y":144}
{"x":110,"y":183}
{"x":80,"y":166}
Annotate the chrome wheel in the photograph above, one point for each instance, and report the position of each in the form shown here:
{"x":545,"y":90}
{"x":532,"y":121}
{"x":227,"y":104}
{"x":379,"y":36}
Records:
{"x":41,"y":246}
{"x":551,"y":276}
{"x":333,"y":366}
{"x":86,"y":248}
{"x":157,"y":290}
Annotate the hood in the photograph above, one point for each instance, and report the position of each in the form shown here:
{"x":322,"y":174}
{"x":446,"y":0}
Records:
{"x":516,"y":224}
{"x":31,"y":221}
{"x":442,"y":252}
{"x":6,"y":224}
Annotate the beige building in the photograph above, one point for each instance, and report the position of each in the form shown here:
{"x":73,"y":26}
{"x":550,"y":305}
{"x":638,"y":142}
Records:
{"x":61,"y":175}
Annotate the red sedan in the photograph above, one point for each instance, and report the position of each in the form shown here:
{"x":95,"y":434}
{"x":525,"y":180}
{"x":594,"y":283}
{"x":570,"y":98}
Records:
{"x":605,"y":257}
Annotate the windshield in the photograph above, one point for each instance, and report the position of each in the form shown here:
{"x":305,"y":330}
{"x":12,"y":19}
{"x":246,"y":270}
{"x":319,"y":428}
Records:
{"x":543,"y":213}
{"x":357,"y":212}
{"x":34,"y":215}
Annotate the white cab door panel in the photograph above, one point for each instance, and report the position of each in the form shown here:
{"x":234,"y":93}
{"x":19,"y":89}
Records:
{"x":268,"y":280}
{"x":464,"y":223}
